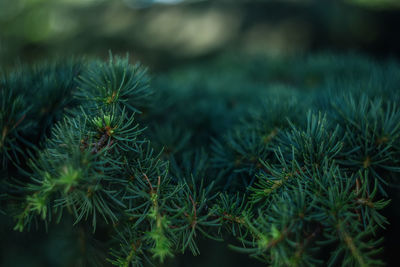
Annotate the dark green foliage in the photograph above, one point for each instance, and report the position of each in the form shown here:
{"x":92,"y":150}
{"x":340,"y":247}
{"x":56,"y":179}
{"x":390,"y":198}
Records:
{"x":32,"y":99}
{"x":13,"y":111}
{"x":291,"y":158}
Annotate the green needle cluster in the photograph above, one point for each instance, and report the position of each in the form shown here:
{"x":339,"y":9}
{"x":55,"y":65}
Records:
{"x":292,"y":160}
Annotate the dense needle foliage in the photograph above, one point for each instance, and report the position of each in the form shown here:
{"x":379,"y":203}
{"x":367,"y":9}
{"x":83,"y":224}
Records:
{"x":292,"y":158}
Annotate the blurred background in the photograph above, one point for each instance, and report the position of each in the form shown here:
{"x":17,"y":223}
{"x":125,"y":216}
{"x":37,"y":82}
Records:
{"x":167,"y":33}
{"x":172,"y":34}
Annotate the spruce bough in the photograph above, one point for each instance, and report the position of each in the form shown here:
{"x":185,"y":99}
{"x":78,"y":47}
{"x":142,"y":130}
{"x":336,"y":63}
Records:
{"x":292,"y":158}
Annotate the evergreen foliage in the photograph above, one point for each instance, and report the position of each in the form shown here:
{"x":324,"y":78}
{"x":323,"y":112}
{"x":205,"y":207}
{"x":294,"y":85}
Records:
{"x":294,"y":159}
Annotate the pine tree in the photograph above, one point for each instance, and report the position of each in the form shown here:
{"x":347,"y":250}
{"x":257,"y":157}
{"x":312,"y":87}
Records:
{"x":294,"y":159}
